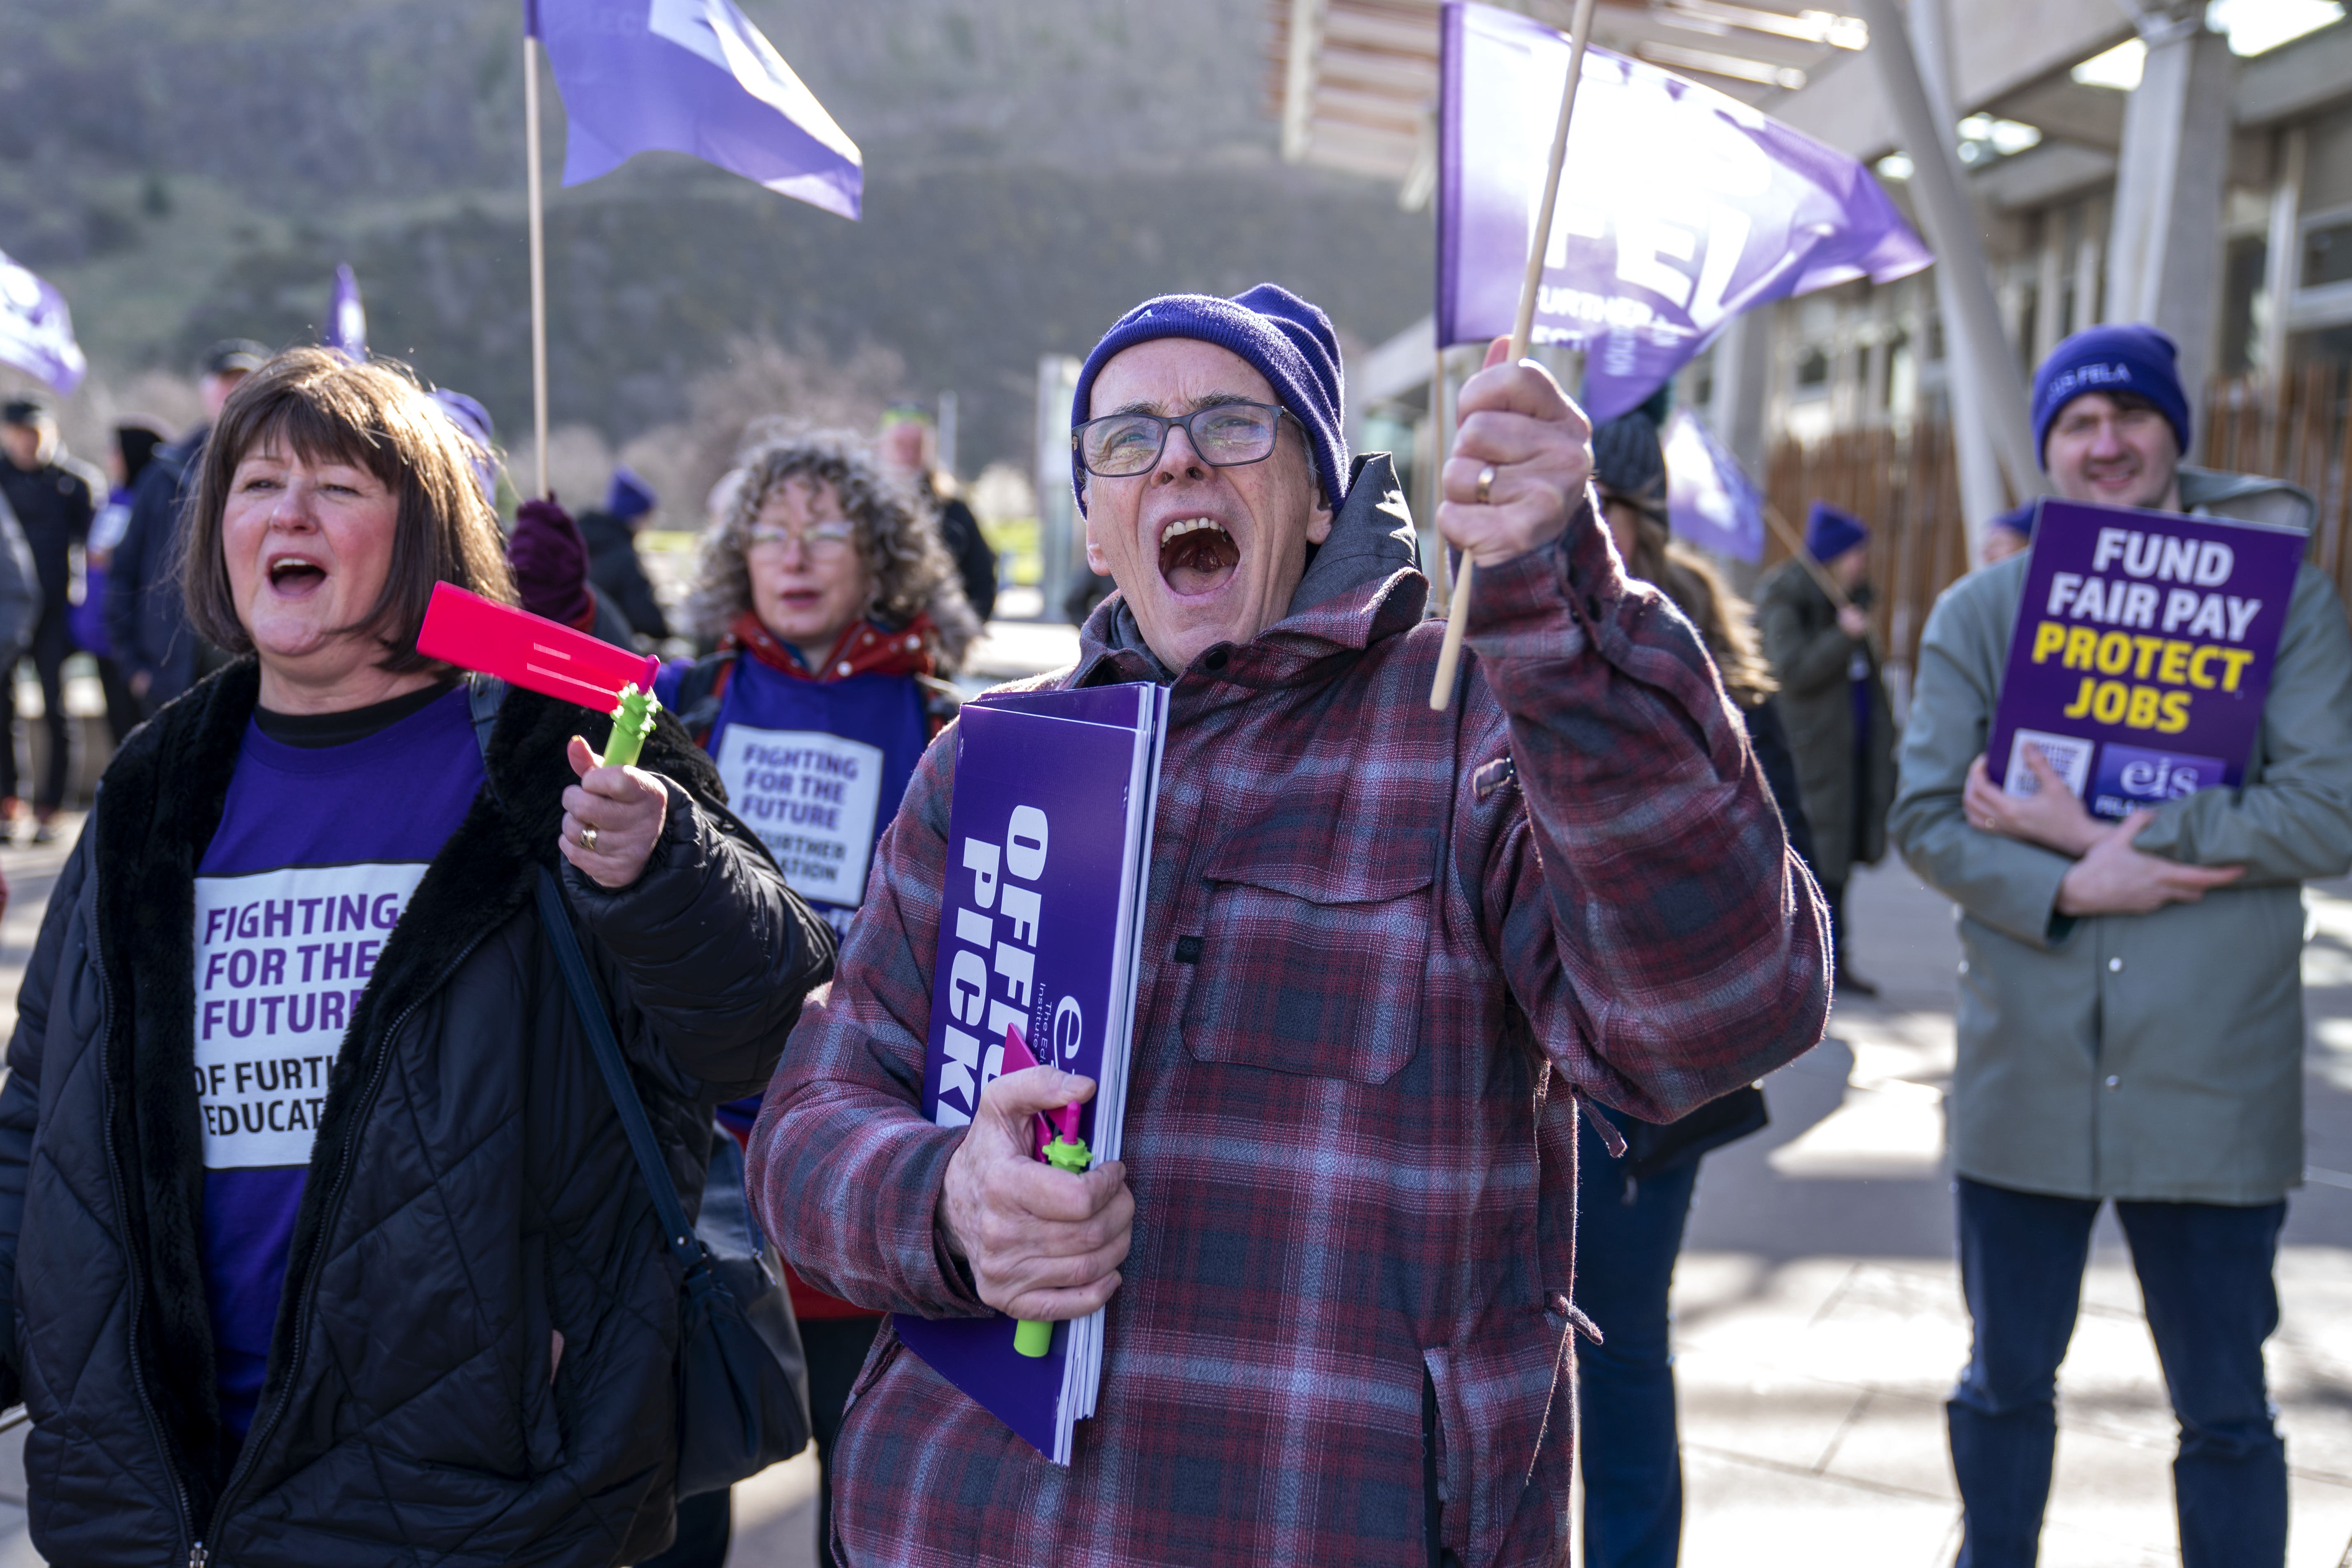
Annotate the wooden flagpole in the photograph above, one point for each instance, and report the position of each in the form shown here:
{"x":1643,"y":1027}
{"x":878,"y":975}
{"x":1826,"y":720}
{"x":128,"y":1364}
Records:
{"x":1439,"y":439}
{"x":1449,"y":656}
{"x":538,"y":250}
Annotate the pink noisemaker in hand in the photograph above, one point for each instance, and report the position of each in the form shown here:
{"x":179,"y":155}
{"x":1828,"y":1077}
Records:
{"x":1051,"y":1124}
{"x":1054,"y":1140}
{"x":546,"y":657}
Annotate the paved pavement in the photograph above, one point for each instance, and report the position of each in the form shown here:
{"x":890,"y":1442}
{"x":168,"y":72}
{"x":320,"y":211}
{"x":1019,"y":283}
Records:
{"x":1819,"y":1312}
{"x":1819,"y":1316}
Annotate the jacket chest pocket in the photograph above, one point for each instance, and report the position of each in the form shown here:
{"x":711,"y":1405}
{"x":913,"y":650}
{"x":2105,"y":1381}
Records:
{"x":1309,"y":967}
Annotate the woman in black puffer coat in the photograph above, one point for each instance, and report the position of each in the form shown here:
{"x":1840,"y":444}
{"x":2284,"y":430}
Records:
{"x":470,"y":1359}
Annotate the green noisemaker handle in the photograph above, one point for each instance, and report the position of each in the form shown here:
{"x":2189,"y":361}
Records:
{"x":633,"y":721}
{"x":1036,"y":1339}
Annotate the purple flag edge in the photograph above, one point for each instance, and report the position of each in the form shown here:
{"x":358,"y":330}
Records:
{"x":60,"y":376}
{"x":345,"y":294}
{"x":530,"y":20}
{"x":1896,"y":251}
{"x":679,"y":97}
{"x":1745,"y":544}
{"x":1449,"y":166}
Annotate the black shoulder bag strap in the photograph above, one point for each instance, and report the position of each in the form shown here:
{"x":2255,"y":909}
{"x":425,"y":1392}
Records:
{"x":675,"y":1229}
{"x":742,"y":1378}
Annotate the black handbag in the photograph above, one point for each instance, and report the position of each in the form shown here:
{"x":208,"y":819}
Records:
{"x":1654,"y":1149}
{"x":742,"y":1377}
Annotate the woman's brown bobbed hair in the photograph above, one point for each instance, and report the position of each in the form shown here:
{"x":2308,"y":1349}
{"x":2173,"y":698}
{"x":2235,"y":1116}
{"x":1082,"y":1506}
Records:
{"x":327,"y":408}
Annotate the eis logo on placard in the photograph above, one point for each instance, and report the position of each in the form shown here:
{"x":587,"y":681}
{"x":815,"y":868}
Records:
{"x":2132,"y":777}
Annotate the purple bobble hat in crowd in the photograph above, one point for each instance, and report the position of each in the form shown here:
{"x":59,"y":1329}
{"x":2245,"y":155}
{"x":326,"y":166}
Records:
{"x":1279,"y":335}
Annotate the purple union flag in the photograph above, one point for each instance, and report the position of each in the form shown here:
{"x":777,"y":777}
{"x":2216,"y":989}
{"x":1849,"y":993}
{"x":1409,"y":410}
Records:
{"x":1679,"y":207}
{"x":690,"y":76}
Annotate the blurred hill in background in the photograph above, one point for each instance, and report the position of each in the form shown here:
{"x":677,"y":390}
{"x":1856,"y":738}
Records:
{"x":185,"y":172}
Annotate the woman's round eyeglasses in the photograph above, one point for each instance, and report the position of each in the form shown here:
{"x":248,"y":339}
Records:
{"x":1226,"y":434}
{"x":823,"y":540}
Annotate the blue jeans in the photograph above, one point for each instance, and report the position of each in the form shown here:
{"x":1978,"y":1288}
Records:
{"x":1626,"y":1243}
{"x":2205,"y":1270}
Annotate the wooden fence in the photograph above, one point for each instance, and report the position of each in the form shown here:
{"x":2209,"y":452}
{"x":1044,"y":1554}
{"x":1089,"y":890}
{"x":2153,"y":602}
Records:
{"x":1906,"y":485}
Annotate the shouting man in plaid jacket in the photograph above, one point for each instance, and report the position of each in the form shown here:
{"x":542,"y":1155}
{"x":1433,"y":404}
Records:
{"x":1337,"y":1255}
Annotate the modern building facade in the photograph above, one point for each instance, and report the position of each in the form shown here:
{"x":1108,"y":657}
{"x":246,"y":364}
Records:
{"x":2189,"y":163}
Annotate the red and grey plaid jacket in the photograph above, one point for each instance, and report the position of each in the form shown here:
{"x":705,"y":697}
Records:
{"x":1369,"y":925}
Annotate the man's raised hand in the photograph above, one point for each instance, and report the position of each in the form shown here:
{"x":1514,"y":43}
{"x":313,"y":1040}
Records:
{"x":2114,"y":879}
{"x":1043,"y":1244}
{"x":1517,"y":421}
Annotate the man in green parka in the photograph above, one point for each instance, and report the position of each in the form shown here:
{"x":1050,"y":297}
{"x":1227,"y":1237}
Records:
{"x":1833,"y":698}
{"x":2131,"y":1005}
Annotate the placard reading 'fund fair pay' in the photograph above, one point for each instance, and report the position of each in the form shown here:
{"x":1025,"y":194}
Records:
{"x":2143,"y":651}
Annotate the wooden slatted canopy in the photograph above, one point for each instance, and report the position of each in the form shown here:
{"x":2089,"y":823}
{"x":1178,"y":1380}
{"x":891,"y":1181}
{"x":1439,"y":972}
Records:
{"x":1354,"y":82}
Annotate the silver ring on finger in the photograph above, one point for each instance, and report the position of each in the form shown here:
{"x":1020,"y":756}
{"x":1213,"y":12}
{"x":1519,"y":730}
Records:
{"x":1486,"y":483}
{"x":588,"y":839}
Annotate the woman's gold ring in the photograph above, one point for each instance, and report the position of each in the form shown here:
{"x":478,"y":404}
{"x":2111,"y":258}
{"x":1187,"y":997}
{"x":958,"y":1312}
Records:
{"x":1486,"y":483}
{"x":588,"y":838}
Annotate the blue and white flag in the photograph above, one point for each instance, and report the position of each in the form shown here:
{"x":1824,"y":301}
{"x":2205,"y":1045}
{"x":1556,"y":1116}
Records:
{"x":1710,"y":502}
{"x":1679,"y":207}
{"x":690,"y":76}
{"x":36,"y":330}
{"x":347,"y":318}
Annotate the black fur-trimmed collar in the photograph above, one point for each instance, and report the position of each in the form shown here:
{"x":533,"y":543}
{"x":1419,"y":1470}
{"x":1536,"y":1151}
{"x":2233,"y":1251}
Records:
{"x":157,"y":812}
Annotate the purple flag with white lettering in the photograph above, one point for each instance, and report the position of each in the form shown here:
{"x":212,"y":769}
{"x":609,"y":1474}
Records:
{"x":346,"y":319}
{"x":1679,"y":207}
{"x":36,"y":330}
{"x":1710,"y":501}
{"x":690,"y":76}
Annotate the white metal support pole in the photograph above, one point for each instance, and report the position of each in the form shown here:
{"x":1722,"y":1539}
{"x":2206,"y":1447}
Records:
{"x":1977,"y":460}
{"x":2279,"y":267}
{"x":2164,"y":257}
{"x":1972,"y":329}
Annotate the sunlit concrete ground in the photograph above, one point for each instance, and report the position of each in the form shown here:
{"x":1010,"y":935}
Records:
{"x":1820,"y":1316}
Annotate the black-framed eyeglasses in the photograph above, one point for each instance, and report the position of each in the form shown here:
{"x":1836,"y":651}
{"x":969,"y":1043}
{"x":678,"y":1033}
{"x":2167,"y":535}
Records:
{"x":1226,"y":434}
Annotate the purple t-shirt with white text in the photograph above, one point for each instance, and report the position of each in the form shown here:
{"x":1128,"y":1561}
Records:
{"x":318,"y":851}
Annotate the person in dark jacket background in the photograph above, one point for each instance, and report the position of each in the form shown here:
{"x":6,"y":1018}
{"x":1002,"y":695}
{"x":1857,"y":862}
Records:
{"x":1630,"y":1208}
{"x":20,"y":589}
{"x":832,"y":605}
{"x":145,"y":619}
{"x":54,"y":497}
{"x":1834,"y":696}
{"x":908,"y":447}
{"x":613,"y":566}
{"x":333,"y":1250}
{"x":135,"y":444}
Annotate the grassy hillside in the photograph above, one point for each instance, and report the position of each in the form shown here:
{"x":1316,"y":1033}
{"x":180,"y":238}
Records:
{"x":186,"y":171}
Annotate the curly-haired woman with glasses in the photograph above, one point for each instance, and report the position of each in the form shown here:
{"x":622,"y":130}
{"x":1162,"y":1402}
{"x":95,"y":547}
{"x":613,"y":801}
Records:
{"x":834,"y":603}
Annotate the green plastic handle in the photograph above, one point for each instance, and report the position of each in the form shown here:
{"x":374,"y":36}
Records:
{"x":1033,"y":1339}
{"x":633,"y":721}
